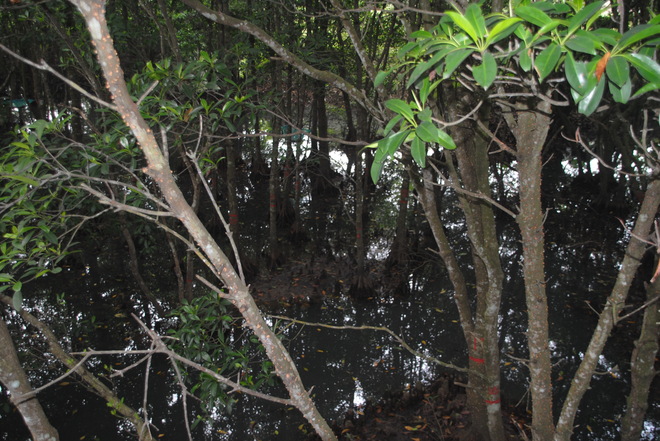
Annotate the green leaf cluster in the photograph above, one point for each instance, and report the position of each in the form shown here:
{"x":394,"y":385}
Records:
{"x":208,"y":334}
{"x":542,"y":38}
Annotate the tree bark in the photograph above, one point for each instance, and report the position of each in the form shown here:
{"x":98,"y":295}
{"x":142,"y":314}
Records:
{"x":238,"y":293}
{"x":530,"y":128}
{"x":13,"y":377}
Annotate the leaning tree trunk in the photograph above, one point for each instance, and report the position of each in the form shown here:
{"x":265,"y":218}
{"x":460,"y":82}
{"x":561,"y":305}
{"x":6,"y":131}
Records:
{"x":13,"y":377}
{"x":642,"y":370}
{"x":609,"y":316}
{"x":90,"y":380}
{"x":158,"y":169}
{"x":530,"y":129}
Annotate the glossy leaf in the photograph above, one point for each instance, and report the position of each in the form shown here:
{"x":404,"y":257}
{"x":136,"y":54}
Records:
{"x":547,"y":60}
{"x":577,"y":74}
{"x":418,"y":151}
{"x":650,"y":87}
{"x":445,"y":140}
{"x":533,"y":15}
{"x":380,"y":77}
{"x":426,"y":66}
{"x":618,"y":71}
{"x":427,"y":88}
{"x":401,"y":107}
{"x":453,"y":60}
{"x":428,"y":132}
{"x":502,"y":30}
{"x":582,"y":44}
{"x":591,"y":99}
{"x":463,"y":23}
{"x":475,"y":17}
{"x":390,"y":125}
{"x":484,"y":74}
{"x":582,"y":16}
{"x":621,"y":94}
{"x":646,"y":66}
{"x":636,"y":34}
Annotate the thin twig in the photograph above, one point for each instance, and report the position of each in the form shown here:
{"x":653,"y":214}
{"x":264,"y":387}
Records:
{"x":44,"y":66}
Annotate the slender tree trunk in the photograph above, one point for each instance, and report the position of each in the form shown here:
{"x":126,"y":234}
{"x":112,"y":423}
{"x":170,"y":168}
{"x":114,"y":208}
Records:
{"x":238,"y":293}
{"x":530,"y":129}
{"x":483,"y":345}
{"x":609,"y":316}
{"x":642,"y":370}
{"x":87,"y":377}
{"x":14,"y":379}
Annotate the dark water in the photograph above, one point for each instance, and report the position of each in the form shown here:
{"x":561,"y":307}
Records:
{"x":345,"y":367}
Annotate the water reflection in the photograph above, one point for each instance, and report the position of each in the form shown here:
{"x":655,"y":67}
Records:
{"x":346,"y":368}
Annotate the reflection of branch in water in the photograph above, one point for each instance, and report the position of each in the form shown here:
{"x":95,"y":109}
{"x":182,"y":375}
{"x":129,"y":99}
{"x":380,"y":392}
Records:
{"x":399,"y":339}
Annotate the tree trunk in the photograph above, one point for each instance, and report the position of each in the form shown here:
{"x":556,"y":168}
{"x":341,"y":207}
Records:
{"x":610,"y":314}
{"x":13,"y":377}
{"x":237,"y":291}
{"x":483,"y":345}
{"x":87,"y":377}
{"x":642,"y":369}
{"x":530,"y":129}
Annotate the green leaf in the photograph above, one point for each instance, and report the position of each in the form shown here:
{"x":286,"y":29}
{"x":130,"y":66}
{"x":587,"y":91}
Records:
{"x":463,"y":23}
{"x":421,"y":34}
{"x":453,"y":60}
{"x":392,"y":143}
{"x":621,"y":94}
{"x":647,"y":67}
{"x":427,"y":132}
{"x":390,"y":125}
{"x":475,"y":17}
{"x":418,"y":151}
{"x":533,"y":15}
{"x":618,"y":70}
{"x":577,"y":74}
{"x":609,"y":37}
{"x":591,"y":99}
{"x":425,"y":90}
{"x":547,"y":60}
{"x":581,"y":44}
{"x":446,"y":141}
{"x":502,"y":30}
{"x":377,"y":165}
{"x":583,"y":15}
{"x":402,"y":108}
{"x":525,"y":60}
{"x":485,"y":73}
{"x":648,"y":88}
{"x":634,"y":35}
{"x":17,"y":301}
{"x":380,"y":77}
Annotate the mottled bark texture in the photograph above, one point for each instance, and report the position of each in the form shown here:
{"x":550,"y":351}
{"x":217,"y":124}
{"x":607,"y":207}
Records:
{"x":93,"y":12}
{"x":14,"y":379}
{"x":529,"y":126}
